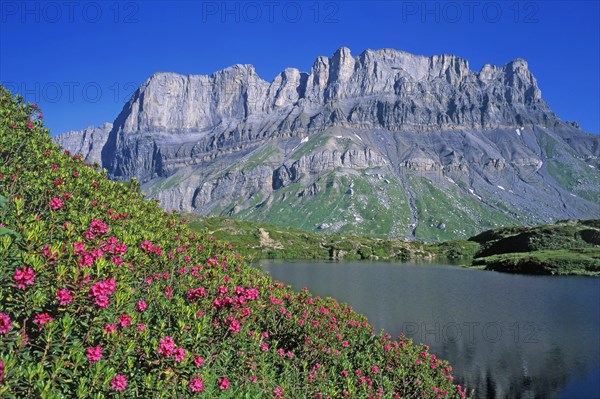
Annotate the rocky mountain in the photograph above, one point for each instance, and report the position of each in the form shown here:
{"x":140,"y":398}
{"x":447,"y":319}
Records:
{"x":385,"y":143}
{"x":88,"y":142}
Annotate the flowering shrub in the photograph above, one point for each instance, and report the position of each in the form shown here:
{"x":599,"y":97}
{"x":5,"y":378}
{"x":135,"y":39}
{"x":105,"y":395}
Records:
{"x":103,"y":294}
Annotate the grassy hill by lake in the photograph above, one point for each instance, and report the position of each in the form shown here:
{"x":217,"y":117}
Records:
{"x":566,"y":247}
{"x":266,"y":241}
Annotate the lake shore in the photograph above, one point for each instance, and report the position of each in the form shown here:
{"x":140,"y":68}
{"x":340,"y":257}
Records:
{"x":564,"y":248}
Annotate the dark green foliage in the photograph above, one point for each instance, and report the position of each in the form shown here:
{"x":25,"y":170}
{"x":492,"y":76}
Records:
{"x":567,"y":247}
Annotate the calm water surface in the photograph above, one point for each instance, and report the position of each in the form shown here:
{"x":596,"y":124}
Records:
{"x":506,"y":336}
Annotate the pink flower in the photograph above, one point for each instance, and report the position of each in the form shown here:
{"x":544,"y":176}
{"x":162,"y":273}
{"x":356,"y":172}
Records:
{"x":275,"y":301}
{"x":89,"y":235}
{"x":46,"y":250}
{"x":78,"y":248}
{"x":23,"y":338}
{"x":64,"y":296}
{"x":196,"y":385}
{"x":140,"y":327}
{"x":224,"y":383}
{"x":141,"y":306}
{"x":120,"y":248}
{"x":94,"y":353}
{"x":103,"y":287}
{"x":101,"y":290}
{"x":278,"y":392}
{"x":24,"y":277}
{"x":179,"y":354}
{"x":108,"y":328}
{"x":166,"y":346}
{"x":42,"y":319}
{"x":374,"y":369}
{"x":86,"y":260}
{"x":119,"y":383}
{"x":146,"y":245}
{"x":234,"y":327}
{"x":198,"y":361}
{"x":97,"y":253}
{"x":101,"y":301}
{"x":195,"y":293}
{"x":125,"y":320}
{"x":5,"y":323}
{"x":97,"y":226}
{"x":55,"y":204}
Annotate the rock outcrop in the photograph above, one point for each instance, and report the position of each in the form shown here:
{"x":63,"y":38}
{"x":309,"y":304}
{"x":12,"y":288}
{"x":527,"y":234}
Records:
{"x":88,"y":142}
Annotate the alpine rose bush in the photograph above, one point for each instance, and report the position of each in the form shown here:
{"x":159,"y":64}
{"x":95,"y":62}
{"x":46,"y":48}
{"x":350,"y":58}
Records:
{"x":103,"y":294}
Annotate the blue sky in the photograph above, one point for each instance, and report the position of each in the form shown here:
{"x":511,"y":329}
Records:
{"x":81,"y":60}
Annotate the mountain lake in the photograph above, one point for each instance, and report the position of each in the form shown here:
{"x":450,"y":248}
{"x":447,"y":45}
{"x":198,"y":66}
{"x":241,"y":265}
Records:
{"x":505,"y":335}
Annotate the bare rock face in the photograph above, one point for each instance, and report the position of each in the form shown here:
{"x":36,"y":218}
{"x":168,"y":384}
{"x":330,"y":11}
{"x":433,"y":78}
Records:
{"x":387,"y":89}
{"x":88,"y":142}
{"x":232,"y":143}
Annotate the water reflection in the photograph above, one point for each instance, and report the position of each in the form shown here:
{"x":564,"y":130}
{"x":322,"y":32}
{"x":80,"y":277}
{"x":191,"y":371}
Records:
{"x":507,"y":336}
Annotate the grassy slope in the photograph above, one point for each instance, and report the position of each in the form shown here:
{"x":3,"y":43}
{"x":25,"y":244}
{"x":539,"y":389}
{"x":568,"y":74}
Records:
{"x":290,"y":243}
{"x":339,"y":199}
{"x":549,"y":249}
{"x":462,"y":214}
{"x":265,"y":339}
{"x":577,"y":176}
{"x":568,"y":247}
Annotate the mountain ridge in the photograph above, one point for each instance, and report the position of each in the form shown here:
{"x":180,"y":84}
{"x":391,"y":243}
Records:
{"x":231,"y":143}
